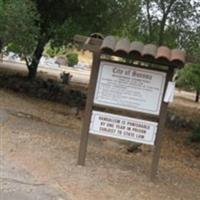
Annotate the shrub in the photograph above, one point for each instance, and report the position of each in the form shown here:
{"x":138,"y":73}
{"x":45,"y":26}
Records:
{"x":196,"y":134}
{"x":72,"y":59}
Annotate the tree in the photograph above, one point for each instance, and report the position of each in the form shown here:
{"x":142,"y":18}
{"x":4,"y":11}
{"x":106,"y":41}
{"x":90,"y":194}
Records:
{"x":18,"y":31}
{"x":126,"y":19}
{"x":60,"y":20}
{"x":163,"y":22}
{"x":168,"y":21}
{"x":189,"y":78}
{"x":1,"y":23}
{"x":56,"y":22}
{"x":28,"y":25}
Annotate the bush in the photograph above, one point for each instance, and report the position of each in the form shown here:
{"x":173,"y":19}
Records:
{"x":72,"y":59}
{"x":196,"y":134}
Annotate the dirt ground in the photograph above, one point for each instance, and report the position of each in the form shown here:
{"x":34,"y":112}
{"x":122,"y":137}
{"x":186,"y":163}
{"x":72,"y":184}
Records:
{"x":42,"y":138}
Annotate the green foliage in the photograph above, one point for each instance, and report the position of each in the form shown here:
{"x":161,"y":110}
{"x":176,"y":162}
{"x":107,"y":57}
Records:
{"x":196,"y":134}
{"x":18,"y":29}
{"x":125,"y":19}
{"x":26,"y":26}
{"x":72,"y":59}
{"x":189,"y":77}
{"x":169,"y":21}
{"x":37,"y":22}
{"x":69,"y":17}
{"x":54,"y":50}
{"x":173,"y":23}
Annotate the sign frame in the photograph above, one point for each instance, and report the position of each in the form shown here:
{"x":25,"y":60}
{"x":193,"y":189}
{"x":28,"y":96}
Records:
{"x":161,"y":118}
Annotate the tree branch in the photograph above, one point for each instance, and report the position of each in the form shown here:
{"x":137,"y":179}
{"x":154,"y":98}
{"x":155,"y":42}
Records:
{"x":163,"y":21}
{"x":27,"y":62}
{"x":149,"y":18}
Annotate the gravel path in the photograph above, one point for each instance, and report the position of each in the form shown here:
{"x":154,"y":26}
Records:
{"x":18,"y":184}
{"x":38,"y":156}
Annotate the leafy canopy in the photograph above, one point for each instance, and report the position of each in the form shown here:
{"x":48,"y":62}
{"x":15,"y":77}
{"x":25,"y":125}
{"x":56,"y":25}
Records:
{"x":18,"y":29}
{"x":189,"y":77}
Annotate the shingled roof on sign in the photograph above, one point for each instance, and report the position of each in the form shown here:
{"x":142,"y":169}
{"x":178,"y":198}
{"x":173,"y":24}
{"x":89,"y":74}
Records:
{"x":109,"y":44}
{"x":123,"y":47}
{"x":136,"y":49}
{"x":163,"y":54}
{"x":177,"y":57}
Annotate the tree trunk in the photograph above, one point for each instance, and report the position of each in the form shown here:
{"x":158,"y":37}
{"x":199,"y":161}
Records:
{"x":162,"y":28}
{"x":166,"y":12}
{"x":32,"y":67}
{"x":32,"y":71}
{"x":161,"y":36}
{"x":1,"y":47}
{"x":197,"y":96}
{"x":149,"y":20}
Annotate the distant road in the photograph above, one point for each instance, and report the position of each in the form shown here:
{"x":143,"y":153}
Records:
{"x":79,"y":76}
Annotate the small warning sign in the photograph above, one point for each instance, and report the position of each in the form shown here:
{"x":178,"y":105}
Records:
{"x":121,"y":127}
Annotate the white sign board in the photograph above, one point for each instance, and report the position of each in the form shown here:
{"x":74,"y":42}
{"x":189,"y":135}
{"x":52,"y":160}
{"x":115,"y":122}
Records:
{"x":129,"y":87}
{"x":121,"y":127}
{"x":170,"y":92}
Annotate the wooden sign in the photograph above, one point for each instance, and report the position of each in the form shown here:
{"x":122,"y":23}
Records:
{"x":120,"y":127}
{"x":128,"y":101}
{"x":129,"y":87}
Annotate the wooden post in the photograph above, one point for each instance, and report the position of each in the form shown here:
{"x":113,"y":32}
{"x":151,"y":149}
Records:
{"x":88,"y":109}
{"x":159,"y":136}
